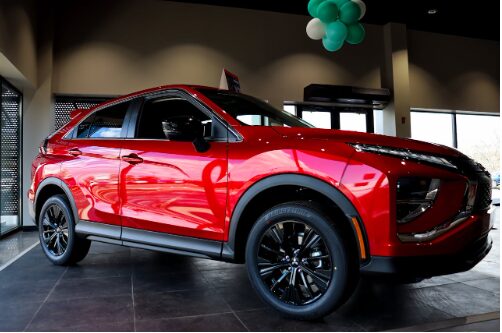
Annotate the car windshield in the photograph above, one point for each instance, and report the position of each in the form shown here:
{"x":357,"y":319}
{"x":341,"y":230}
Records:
{"x":251,"y":111}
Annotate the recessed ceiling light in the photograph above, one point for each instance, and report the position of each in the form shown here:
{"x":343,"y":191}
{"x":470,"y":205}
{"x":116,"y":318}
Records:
{"x":432,"y":11}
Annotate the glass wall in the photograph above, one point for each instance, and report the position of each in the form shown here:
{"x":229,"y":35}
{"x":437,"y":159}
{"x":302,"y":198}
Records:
{"x":432,"y":127}
{"x":476,"y":135}
{"x":319,"y":119}
{"x":351,"y":121}
{"x":10,"y":158}
{"x":334,"y":117}
{"x":479,"y":138}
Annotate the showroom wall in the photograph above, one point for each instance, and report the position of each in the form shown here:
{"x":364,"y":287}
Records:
{"x":139,"y":44}
{"x":453,"y":73}
{"x":18,"y":42}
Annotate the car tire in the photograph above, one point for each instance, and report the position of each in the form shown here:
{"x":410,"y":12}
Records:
{"x":58,"y":239}
{"x":298,"y":261}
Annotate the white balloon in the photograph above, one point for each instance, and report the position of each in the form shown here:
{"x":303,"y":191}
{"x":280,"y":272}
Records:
{"x":362,"y":6}
{"x":316,"y":29}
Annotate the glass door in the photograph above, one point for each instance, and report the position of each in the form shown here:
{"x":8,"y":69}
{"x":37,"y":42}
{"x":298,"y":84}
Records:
{"x":10,"y":157}
{"x":334,"y":117}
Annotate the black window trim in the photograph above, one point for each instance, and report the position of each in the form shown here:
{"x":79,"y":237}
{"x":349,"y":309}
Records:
{"x":232,"y":135}
{"x":72,"y":134}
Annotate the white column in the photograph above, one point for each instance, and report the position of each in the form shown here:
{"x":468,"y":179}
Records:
{"x":395,"y":76}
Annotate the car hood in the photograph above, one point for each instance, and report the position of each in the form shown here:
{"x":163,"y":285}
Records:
{"x":365,"y":138}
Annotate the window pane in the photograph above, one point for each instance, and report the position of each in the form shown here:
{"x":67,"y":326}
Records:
{"x":317,"y":118}
{"x":353,"y":121}
{"x":84,"y":127}
{"x":289,"y":108}
{"x":238,"y":105}
{"x":108,"y":122}
{"x":160,"y":115}
{"x":250,"y":119}
{"x":479,"y":138}
{"x":432,"y":127}
{"x":378,"y":121}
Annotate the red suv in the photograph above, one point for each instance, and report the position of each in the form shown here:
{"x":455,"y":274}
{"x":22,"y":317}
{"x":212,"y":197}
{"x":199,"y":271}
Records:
{"x":216,"y":174}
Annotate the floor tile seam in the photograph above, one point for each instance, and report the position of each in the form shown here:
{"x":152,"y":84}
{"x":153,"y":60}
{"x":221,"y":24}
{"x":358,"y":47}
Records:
{"x":235,"y":314}
{"x":45,"y":300}
{"x":133,"y":304}
{"x":79,"y":298}
{"x":187,"y":316}
{"x":441,"y":329}
{"x":451,"y":322}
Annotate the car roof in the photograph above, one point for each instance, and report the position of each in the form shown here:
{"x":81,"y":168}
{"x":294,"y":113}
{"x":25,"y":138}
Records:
{"x":186,"y":87}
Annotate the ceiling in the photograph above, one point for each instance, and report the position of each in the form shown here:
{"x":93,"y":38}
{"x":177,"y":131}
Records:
{"x":474,"y":19}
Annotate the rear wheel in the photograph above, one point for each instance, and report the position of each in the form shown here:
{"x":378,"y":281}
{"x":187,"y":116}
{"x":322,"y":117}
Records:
{"x":57,"y":235}
{"x":298,"y":262}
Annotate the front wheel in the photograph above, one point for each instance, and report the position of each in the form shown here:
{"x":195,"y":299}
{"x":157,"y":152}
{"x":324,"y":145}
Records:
{"x":57,"y":235}
{"x":298,"y":262}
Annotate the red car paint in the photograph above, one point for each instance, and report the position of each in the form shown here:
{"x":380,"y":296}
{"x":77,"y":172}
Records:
{"x":180,"y":191}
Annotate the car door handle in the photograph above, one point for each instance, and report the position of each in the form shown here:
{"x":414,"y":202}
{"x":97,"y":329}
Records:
{"x":74,"y":152}
{"x":132,"y":159}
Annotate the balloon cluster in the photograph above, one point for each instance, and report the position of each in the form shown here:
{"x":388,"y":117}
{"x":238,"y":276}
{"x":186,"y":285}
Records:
{"x":335,"y":22}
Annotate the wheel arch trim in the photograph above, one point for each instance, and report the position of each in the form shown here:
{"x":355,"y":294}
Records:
{"x":312,"y":183}
{"x":62,"y":185}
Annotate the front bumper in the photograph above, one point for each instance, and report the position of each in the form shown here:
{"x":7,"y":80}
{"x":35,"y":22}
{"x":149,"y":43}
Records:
{"x":419,"y":267}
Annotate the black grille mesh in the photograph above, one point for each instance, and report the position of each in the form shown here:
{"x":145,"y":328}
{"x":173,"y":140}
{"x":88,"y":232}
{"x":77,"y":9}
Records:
{"x":483,"y":194}
{"x":10,"y":146}
{"x":63,"y":105}
{"x":477,"y":173}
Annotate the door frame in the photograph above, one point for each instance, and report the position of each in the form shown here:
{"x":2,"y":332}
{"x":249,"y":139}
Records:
{"x":335,"y":109}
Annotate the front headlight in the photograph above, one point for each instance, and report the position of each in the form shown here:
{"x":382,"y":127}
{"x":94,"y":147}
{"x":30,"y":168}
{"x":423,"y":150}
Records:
{"x":404,"y":154}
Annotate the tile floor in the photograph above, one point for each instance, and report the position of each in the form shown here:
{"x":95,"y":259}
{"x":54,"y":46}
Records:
{"x":121,"y":289}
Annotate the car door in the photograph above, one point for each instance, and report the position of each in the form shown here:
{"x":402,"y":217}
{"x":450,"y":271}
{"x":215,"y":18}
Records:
{"x":92,"y":168}
{"x":170,"y":181}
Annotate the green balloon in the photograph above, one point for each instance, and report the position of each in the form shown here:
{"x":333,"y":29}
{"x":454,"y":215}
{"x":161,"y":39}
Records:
{"x":327,"y":11}
{"x":355,"y":33}
{"x":332,"y":45}
{"x":339,"y":3}
{"x":336,"y":31}
{"x":350,"y":13}
{"x":312,"y":7}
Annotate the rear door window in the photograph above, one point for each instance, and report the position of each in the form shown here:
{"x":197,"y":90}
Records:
{"x":105,"y":123}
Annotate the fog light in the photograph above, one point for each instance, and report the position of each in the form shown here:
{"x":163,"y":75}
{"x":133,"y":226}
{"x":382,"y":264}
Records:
{"x":414,"y":197}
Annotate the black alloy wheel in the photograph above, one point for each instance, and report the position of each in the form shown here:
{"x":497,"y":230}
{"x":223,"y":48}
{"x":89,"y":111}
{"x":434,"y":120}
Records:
{"x":55,"y":230}
{"x":56,"y":226}
{"x":300,"y":262}
{"x":294,"y":262}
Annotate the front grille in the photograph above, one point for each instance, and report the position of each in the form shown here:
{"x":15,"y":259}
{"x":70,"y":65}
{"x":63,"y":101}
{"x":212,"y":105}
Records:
{"x":483,"y":194}
{"x":476,"y":173}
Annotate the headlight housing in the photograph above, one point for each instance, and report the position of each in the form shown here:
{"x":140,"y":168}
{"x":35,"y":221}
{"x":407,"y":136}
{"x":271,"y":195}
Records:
{"x":404,"y":154}
{"x":414,"y":196}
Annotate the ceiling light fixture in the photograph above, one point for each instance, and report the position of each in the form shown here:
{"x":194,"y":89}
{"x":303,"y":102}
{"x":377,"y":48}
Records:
{"x":432,"y":11}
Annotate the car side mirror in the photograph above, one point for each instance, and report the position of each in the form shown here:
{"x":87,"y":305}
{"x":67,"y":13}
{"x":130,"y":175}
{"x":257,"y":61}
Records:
{"x":186,"y":128}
